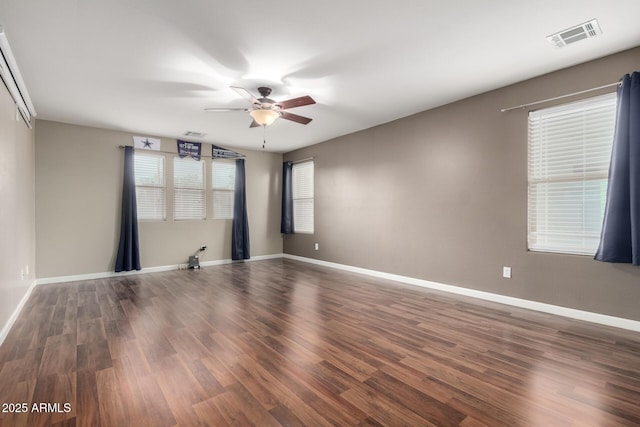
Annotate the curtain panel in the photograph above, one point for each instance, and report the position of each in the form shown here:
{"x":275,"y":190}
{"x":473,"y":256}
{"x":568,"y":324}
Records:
{"x":128,"y":256}
{"x":240,"y":226}
{"x":286,"y":222}
{"x":620,"y":236}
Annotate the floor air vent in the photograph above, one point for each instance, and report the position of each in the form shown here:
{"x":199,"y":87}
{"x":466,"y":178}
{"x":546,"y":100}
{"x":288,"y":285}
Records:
{"x":574,"y":34}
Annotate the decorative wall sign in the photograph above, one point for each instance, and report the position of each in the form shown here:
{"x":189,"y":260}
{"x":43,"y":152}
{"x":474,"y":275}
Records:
{"x":218,"y":152}
{"x":146,"y":143}
{"x":192,"y":149}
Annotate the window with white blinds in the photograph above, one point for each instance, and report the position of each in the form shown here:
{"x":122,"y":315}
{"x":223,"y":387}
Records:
{"x":569,"y":155}
{"x":223,"y":181}
{"x":150,"y":186}
{"x":302,"y":182}
{"x":188,"y":189}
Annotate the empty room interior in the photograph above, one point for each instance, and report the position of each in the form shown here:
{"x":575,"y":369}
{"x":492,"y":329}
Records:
{"x":353,"y":213}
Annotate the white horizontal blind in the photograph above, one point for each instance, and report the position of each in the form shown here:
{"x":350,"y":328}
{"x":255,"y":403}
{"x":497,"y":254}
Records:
{"x":188,"y":189}
{"x":569,"y":155}
{"x":223,"y":181}
{"x":302,"y":180}
{"x":150,"y":186}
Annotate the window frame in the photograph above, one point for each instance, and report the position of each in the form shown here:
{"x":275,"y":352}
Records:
{"x":162,"y":188}
{"x":215,"y":189}
{"x":568,"y":156}
{"x":185,"y":189}
{"x":303,"y":192}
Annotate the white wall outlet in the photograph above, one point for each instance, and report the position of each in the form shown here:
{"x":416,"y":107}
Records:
{"x":317,"y":246}
{"x":506,"y":272}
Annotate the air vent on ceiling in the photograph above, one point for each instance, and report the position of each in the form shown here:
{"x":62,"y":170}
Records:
{"x":194,"y":134}
{"x":579,"y":32}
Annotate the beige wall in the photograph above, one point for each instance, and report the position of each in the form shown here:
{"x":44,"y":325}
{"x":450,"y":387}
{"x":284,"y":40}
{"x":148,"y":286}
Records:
{"x":17,"y":207}
{"x":78,"y":197}
{"x":442,"y":196}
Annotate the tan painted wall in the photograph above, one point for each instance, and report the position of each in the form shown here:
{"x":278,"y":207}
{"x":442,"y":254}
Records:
{"x":17,"y":207}
{"x":442,"y":196}
{"x":78,"y":197}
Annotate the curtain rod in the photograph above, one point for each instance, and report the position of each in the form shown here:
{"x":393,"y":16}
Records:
{"x":301,"y":160}
{"x":241,"y":156}
{"x":523,"y":106}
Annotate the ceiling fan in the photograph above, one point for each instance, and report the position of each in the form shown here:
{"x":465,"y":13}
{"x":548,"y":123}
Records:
{"x":265,"y":111}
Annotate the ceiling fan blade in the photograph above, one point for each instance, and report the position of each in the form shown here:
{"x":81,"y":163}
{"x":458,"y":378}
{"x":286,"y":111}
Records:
{"x":254,"y":124}
{"x":245,"y":94}
{"x":225,"y":109}
{"x":295,"y":118}
{"x":296,"y":102}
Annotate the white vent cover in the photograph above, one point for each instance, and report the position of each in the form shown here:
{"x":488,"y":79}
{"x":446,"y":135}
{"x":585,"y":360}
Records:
{"x":579,"y":32}
{"x":194,"y":134}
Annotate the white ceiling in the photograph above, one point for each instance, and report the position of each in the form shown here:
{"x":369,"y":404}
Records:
{"x":151,"y":66}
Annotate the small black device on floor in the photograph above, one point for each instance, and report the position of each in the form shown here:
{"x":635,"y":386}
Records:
{"x":194,"y":262}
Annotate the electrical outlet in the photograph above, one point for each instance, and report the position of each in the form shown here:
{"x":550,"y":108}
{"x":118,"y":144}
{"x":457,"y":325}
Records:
{"x":506,"y":272}
{"x":317,"y":247}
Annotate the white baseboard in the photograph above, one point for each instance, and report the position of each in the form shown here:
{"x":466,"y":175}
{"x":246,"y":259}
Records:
{"x":229,"y":261}
{"x":108,"y":274}
{"x":617,"y":322}
{"x":603,"y":319}
{"x":14,"y":316}
{"x":102,"y":275}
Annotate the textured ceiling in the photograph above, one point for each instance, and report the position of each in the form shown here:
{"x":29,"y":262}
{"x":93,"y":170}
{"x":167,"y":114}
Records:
{"x":151,"y":67}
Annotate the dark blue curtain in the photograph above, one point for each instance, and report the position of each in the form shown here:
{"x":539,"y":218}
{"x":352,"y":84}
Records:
{"x":240,"y":227}
{"x":620,"y":238}
{"x":128,"y":257}
{"x":286,"y":222}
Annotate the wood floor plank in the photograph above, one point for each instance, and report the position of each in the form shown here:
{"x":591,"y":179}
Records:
{"x":383,"y":409}
{"x":113,"y":409}
{"x":158,"y":410}
{"x":59,"y":356}
{"x":254,"y":385}
{"x":181,"y":390}
{"x":208,"y":414}
{"x":205,"y":378}
{"x":279,"y":342}
{"x":239,"y":400}
{"x":87,"y":399}
{"x":219,"y":371}
{"x":417,"y":401}
{"x":285,"y":417}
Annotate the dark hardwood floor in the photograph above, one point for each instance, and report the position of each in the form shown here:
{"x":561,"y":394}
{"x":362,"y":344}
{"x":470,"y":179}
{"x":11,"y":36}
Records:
{"x":280,"y":342}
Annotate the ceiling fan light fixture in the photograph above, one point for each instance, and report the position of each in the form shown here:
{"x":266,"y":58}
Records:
{"x":264,"y":117}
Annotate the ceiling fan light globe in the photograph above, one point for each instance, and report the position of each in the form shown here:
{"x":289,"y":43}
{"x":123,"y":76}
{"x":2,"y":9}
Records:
{"x":264,"y":117}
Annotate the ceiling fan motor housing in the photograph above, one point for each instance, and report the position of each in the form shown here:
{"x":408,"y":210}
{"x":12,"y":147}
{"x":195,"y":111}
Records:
{"x":264,"y":91}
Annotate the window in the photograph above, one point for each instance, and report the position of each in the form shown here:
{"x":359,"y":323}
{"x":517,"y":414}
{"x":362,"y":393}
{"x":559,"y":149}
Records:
{"x":188,"y":189}
{"x":150,"y":187}
{"x":223,"y":181}
{"x":302,"y":179}
{"x":569,"y":154}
